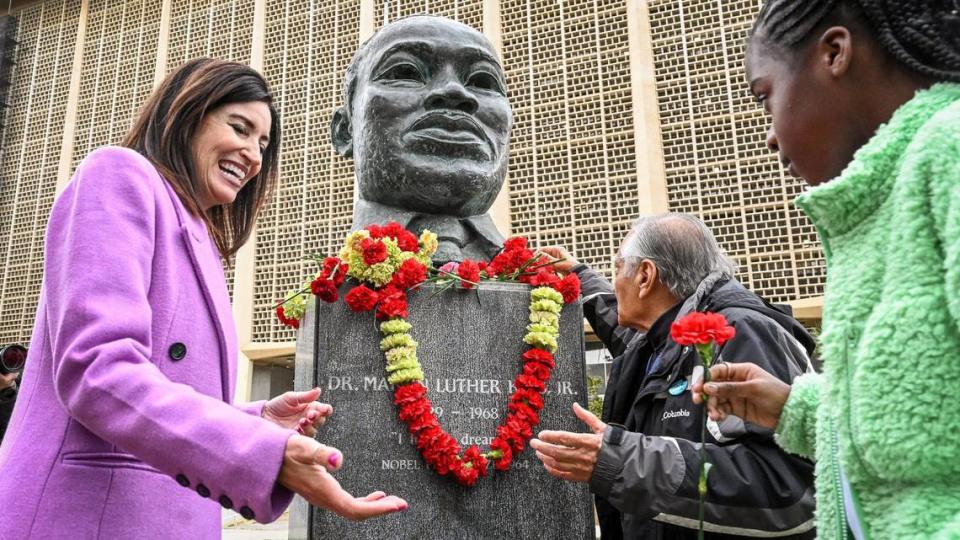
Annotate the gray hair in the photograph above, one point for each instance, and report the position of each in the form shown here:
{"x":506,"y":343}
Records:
{"x":681,"y":247}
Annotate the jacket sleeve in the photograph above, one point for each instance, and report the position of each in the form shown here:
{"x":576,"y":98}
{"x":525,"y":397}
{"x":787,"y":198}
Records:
{"x":600,"y":310}
{"x":797,"y":430}
{"x":754,"y":488}
{"x":942,"y":168}
{"x":98,"y":271}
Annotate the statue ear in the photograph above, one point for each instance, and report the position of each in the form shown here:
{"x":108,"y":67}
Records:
{"x":341,"y":133}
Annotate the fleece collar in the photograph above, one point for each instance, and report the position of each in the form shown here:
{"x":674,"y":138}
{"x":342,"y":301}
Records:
{"x":839,"y":205}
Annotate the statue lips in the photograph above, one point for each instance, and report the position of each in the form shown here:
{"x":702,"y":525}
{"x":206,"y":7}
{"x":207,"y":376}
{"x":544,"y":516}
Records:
{"x":447,"y":128}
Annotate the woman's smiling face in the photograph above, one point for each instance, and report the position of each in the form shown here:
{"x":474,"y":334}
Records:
{"x":228,"y":149}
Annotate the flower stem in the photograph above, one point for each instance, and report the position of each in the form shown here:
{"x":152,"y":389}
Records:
{"x":702,"y":485}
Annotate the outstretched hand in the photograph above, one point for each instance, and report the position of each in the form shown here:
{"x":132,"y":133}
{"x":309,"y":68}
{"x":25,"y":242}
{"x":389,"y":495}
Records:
{"x":298,"y":410}
{"x":744,"y":390}
{"x":306,"y":471}
{"x":571,"y":456}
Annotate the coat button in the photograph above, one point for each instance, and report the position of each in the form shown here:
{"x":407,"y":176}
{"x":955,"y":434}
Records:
{"x":177,"y":351}
{"x":226,"y":502}
{"x":203,"y":491}
{"x":182,"y":480}
{"x":246,"y":512}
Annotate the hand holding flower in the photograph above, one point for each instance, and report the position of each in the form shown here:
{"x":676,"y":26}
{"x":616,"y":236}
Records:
{"x":743,"y":390}
{"x":298,"y":410}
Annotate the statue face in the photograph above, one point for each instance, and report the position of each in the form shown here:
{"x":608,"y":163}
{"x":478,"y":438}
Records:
{"x":430,"y":121}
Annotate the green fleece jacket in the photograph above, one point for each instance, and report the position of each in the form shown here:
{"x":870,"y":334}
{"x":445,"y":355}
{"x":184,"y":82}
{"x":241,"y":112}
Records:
{"x":886,"y":404}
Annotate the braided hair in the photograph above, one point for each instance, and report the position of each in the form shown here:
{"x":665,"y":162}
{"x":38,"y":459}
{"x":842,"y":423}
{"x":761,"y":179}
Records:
{"x":923,"y":35}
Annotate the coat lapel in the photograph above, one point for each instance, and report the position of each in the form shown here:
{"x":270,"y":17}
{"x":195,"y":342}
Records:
{"x":209,"y":271}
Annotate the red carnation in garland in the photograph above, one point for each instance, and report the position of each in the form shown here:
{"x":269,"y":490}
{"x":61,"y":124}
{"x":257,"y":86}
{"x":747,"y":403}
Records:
{"x":410,"y":273}
{"x":374,"y":251}
{"x":361,"y":298}
{"x":292,"y":323}
{"x":539,"y":355}
{"x":524,"y":412}
{"x":702,"y":329}
{"x":529,"y":383}
{"x":506,"y":454}
{"x":569,"y":287}
{"x":510,"y":436}
{"x":324,"y":289}
{"x":534,"y":399}
{"x":468,"y":271}
{"x":409,"y":392}
{"x":475,"y":458}
{"x":375,"y":231}
{"x":393,"y":303}
{"x":537,"y":371}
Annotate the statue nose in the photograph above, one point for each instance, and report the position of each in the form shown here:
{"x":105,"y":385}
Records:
{"x":452,"y":95}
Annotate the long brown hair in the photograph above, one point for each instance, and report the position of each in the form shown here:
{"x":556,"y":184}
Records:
{"x":168,"y":122}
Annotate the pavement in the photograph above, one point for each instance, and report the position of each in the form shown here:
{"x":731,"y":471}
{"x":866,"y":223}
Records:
{"x":237,"y":528}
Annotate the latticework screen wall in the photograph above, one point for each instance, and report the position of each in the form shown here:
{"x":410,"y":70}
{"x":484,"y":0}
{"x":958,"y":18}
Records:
{"x":119,"y":58}
{"x":468,"y":12}
{"x":212,"y":28}
{"x":718,"y":166}
{"x":307,"y":48}
{"x":31,"y":155}
{"x":573,"y":171}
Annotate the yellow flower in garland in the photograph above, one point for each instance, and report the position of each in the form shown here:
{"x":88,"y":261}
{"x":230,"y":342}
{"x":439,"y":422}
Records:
{"x":397,"y":340}
{"x":395,"y":326}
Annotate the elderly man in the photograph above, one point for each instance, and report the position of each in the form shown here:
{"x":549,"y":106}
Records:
{"x":427,"y":122}
{"x":643,"y":466}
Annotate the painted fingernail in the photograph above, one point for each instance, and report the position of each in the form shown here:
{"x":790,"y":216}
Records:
{"x":334,"y":459}
{"x":401,"y":508}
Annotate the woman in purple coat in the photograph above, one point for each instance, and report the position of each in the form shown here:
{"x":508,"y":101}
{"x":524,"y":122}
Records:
{"x":124,"y":426}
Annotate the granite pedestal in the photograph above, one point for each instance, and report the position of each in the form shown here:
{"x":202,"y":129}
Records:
{"x":470,"y":347}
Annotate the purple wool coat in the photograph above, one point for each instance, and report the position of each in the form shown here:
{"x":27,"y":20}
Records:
{"x":124,"y":426}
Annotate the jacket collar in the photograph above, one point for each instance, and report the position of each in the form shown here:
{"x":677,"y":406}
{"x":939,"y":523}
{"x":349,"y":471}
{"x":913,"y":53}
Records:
{"x":841,"y":204}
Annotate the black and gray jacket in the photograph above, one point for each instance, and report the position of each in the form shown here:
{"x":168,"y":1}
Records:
{"x":646,"y":475}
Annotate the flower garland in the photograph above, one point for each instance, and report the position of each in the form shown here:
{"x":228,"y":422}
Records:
{"x":388,"y":261}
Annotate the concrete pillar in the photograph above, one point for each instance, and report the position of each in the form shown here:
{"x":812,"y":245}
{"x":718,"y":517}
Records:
{"x":651,"y":172}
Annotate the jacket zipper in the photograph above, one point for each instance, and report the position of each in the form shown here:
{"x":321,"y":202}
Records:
{"x":837,"y":484}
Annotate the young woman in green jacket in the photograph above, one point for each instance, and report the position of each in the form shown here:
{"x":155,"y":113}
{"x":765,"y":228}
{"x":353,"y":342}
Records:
{"x":866,"y":108}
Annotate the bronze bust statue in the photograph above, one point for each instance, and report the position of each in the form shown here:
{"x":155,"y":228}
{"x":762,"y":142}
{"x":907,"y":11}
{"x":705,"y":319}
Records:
{"x":427,"y":122}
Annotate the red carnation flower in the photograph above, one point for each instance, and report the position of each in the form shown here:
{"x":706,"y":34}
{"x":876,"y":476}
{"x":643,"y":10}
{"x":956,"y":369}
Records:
{"x":569,"y":287}
{"x":506,"y":454}
{"x":545,"y":278}
{"x":515,"y":243}
{"x":374,"y":251}
{"x":361,"y":298}
{"x":324,"y":289}
{"x":534,"y":399}
{"x":524,"y":412}
{"x":510,"y":436}
{"x":475,"y":458}
{"x":539,"y":355}
{"x":376,"y":231}
{"x":287,"y":321}
{"x":408,"y":242}
{"x":529,"y":383}
{"x":393,"y":303}
{"x":537,"y":370}
{"x":701,"y":329}
{"x":468,"y":271}
{"x":409,"y":392}
{"x":393,"y":229}
{"x":410,"y":273}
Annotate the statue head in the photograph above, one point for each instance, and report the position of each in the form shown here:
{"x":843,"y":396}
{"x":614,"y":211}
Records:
{"x":426,"y":118}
